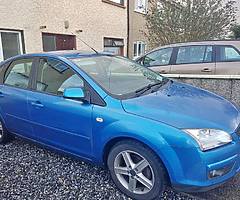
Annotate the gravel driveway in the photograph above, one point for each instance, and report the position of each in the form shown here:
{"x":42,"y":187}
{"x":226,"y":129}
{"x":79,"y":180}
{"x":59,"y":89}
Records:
{"x":31,"y":172}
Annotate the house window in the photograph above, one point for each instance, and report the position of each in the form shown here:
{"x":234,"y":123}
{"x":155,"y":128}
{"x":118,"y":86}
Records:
{"x":141,"y":6}
{"x":139,"y":49}
{"x":10,"y":44}
{"x":53,"y":42}
{"x":114,"y":46}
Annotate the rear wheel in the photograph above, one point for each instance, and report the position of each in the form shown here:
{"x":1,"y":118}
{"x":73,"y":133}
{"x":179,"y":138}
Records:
{"x":4,"y":134}
{"x":136,"y":170}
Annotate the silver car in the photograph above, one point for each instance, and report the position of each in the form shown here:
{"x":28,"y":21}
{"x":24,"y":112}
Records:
{"x":208,"y":57}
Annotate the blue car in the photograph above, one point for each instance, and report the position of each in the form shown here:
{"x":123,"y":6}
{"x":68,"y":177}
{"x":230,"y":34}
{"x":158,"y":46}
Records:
{"x":149,"y":131}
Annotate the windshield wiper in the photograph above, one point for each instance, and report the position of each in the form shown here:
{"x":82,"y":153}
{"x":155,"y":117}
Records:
{"x":141,"y":91}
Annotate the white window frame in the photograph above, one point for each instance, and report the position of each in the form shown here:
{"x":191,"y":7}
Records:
{"x":138,"y":54}
{"x":118,"y":1}
{"x":143,"y":9}
{"x":20,"y":42}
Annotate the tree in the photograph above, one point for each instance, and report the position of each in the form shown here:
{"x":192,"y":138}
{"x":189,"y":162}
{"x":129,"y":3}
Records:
{"x":236,"y":31}
{"x":171,"y":21}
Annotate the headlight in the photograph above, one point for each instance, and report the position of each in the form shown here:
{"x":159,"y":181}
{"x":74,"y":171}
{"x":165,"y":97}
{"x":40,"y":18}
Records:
{"x":209,"y":138}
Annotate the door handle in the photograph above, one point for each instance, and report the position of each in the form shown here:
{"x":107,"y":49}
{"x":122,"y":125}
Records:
{"x":162,"y":71}
{"x":37,"y":104}
{"x":206,"y":70}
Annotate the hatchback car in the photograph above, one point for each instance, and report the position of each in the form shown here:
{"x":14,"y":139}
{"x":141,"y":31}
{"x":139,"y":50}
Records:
{"x":149,"y":131}
{"x":208,"y":57}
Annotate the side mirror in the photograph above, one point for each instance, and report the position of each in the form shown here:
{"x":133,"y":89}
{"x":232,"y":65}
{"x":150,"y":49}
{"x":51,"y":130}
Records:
{"x":74,"y":93}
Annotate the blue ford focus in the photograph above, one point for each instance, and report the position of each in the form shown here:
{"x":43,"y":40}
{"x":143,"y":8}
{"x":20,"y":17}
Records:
{"x":149,"y":131}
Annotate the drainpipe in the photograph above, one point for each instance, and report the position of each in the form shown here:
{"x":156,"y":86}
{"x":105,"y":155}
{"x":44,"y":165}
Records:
{"x":128,"y":27}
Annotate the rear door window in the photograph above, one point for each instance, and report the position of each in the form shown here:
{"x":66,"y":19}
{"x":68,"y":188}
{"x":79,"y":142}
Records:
{"x":194,"y":54}
{"x":18,"y":73}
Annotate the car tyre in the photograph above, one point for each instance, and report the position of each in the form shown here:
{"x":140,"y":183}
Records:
{"x":136,"y":170}
{"x":5,"y":136}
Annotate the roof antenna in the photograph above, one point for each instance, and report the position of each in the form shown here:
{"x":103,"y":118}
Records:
{"x":79,"y":31}
{"x":89,"y":46}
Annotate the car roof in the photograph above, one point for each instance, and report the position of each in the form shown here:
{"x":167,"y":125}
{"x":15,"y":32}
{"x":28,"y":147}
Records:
{"x":207,"y":42}
{"x":66,"y":53}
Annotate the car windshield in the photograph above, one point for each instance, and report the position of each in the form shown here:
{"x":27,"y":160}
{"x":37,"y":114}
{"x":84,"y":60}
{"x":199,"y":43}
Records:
{"x":117,"y":75}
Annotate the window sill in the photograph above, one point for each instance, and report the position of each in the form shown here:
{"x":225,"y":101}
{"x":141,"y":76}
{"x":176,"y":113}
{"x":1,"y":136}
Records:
{"x":114,"y":3}
{"x":140,"y":12}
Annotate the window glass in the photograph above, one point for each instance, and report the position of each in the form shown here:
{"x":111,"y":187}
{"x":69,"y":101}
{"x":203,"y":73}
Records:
{"x":118,"y":75}
{"x":139,"y":49}
{"x":49,"y":42}
{"x":54,"y":77}
{"x":10,"y":44}
{"x":194,"y":54}
{"x":208,"y":54}
{"x":228,"y":54}
{"x":18,"y":73}
{"x":141,"y":6}
{"x":114,"y":46}
{"x":160,"y":57}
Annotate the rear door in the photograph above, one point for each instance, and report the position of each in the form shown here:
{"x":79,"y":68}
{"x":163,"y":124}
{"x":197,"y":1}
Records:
{"x":228,"y":60}
{"x":159,"y":60}
{"x":13,"y":96}
{"x":197,"y":59}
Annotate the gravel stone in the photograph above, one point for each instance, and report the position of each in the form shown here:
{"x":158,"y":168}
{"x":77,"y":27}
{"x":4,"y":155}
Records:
{"x":31,"y":172}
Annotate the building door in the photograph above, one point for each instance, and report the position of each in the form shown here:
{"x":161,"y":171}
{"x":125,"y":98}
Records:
{"x":54,"y":42}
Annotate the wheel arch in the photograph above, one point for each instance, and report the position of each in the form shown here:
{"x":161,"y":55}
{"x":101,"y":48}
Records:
{"x":110,"y":144}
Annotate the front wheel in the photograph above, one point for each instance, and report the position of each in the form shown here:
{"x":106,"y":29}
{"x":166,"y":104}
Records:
{"x":136,"y":170}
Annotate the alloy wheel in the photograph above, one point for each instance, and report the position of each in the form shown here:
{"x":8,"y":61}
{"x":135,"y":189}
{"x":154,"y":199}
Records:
{"x":134,"y":172}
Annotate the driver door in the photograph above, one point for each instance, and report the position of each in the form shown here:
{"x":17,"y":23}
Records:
{"x":159,"y":60}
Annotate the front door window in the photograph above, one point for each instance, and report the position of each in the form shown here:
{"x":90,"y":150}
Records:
{"x":54,"y":77}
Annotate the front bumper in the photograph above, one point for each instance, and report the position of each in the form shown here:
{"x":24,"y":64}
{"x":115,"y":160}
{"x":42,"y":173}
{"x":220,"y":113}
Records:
{"x":195,"y":167}
{"x":235,"y":169}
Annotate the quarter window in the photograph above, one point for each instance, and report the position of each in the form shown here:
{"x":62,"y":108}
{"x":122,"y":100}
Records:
{"x":54,"y":77}
{"x":194,"y":54}
{"x":18,"y":73}
{"x":158,"y":58}
{"x":228,"y":53}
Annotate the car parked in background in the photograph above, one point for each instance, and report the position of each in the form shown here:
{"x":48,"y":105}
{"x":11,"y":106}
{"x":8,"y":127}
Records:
{"x":207,"y":57}
{"x":149,"y":131}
